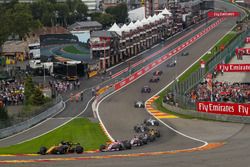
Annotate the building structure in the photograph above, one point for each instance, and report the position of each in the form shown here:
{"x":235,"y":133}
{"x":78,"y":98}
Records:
{"x":120,"y":43}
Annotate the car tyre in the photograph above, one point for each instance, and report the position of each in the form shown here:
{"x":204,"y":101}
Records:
{"x":79,"y":149}
{"x":42,"y":150}
{"x":102,"y":148}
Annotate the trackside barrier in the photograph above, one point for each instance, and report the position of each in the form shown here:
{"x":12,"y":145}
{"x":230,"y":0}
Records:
{"x":31,"y":122}
{"x":162,"y":59}
{"x":217,"y":117}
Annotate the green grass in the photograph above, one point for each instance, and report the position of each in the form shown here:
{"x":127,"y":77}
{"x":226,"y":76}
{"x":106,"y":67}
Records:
{"x":73,"y":49}
{"x":80,"y":130}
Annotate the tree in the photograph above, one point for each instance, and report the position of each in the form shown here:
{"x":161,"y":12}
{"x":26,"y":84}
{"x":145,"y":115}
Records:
{"x":120,"y":12}
{"x":44,"y":11}
{"x":63,"y":12}
{"x":105,"y":19}
{"x":3,"y":113}
{"x":29,"y":88}
{"x":5,"y":24}
{"x":38,"y":97}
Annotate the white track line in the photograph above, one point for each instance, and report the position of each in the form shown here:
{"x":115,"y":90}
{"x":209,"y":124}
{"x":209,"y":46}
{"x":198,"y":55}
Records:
{"x":192,"y":138}
{"x":61,"y":124}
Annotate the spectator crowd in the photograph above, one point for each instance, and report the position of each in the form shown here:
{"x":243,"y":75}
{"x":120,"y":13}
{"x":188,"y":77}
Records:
{"x":11,"y":93}
{"x":60,"y":87}
{"x":221,"y":92}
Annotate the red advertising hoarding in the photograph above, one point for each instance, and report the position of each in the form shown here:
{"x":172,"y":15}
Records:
{"x":224,"y":108}
{"x":246,"y":51}
{"x":223,"y":14}
{"x":247,"y":40}
{"x":234,"y":67}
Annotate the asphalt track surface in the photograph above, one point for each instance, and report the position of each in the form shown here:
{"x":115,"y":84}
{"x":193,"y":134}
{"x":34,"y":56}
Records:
{"x":119,"y":117}
{"x":73,"y":109}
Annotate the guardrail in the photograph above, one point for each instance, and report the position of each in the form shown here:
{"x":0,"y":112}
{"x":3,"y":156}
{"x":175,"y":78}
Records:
{"x":31,"y":122}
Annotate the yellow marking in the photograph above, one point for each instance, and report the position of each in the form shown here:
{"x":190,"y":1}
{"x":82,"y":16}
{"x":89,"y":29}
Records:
{"x":167,"y":116}
{"x":154,"y":110}
{"x":160,"y":114}
{"x":202,"y":148}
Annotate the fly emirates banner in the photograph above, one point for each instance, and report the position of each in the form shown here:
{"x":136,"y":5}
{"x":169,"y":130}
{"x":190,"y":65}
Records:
{"x":224,"y":108}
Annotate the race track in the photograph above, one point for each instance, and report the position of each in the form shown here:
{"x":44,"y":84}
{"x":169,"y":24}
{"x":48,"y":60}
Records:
{"x":119,"y":116}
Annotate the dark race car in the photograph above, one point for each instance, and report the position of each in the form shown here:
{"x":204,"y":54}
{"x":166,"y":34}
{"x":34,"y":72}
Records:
{"x":146,"y":89}
{"x":139,"y":104}
{"x":62,"y":148}
{"x":157,"y":73}
{"x":154,"y":132}
{"x":154,"y":79}
{"x":116,"y":146}
{"x":151,"y":122}
{"x":141,"y":128}
{"x":137,"y":141}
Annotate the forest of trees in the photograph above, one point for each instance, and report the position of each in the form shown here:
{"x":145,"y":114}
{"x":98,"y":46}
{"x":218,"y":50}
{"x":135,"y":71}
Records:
{"x":20,"y":18}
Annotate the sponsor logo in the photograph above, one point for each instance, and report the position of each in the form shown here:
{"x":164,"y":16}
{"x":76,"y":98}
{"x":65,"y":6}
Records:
{"x":224,"y":108}
{"x":223,"y":14}
{"x":234,"y":67}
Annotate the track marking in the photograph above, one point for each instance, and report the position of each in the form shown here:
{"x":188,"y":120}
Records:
{"x":85,"y":158}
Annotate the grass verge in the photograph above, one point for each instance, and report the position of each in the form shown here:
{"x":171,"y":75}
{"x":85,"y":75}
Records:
{"x":206,"y":57}
{"x":80,"y":130}
{"x":72,"y":49}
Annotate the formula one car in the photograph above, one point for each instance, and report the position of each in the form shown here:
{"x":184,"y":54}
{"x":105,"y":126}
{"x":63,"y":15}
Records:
{"x":146,"y":89}
{"x":171,"y":64}
{"x":151,"y":122}
{"x":62,"y":148}
{"x":139,"y":104}
{"x":154,"y":79}
{"x":154,"y":132}
{"x":157,"y":73}
{"x":116,"y":146}
{"x":141,"y":128}
{"x":137,"y":141}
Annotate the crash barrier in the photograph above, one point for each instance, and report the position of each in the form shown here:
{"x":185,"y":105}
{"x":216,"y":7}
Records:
{"x":197,"y":76}
{"x":205,"y":115}
{"x":33,"y":121}
{"x":167,"y":56}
